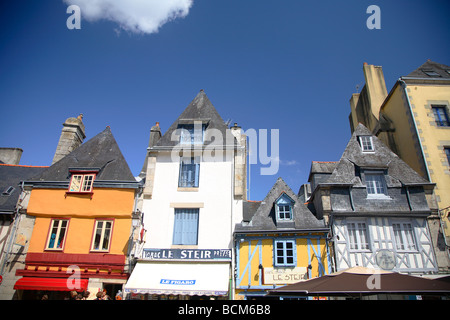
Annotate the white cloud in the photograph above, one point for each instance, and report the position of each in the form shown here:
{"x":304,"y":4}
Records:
{"x":137,"y":16}
{"x":288,"y":162}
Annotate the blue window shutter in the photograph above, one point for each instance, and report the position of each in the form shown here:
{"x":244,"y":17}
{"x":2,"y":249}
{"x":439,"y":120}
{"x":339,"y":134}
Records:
{"x":185,"y":229}
{"x":190,"y":226}
{"x":178,"y":227}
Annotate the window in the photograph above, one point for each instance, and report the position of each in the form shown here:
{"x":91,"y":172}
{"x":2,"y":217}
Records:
{"x":189,"y":173}
{"x":102,"y":235}
{"x":285,"y":253}
{"x":8,"y":191}
{"x":404,"y":237}
{"x":284,"y":212}
{"x":284,"y":208}
{"x":185,"y":228}
{"x":441,"y":116}
{"x":431,"y":73}
{"x":447,"y":153}
{"x":81,"y":183}
{"x":358,"y":239}
{"x":366,"y":143}
{"x":57,"y":236}
{"x":191,"y":133}
{"x":375,"y":184}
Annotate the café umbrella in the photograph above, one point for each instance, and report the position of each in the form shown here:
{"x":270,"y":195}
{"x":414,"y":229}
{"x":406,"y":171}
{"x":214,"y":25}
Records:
{"x":359,"y":281}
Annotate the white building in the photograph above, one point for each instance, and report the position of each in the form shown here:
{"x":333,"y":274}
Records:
{"x":195,"y":183}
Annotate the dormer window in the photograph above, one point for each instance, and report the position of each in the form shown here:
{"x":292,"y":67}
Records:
{"x":82,"y":181}
{"x":192,"y":133}
{"x":283,"y":208}
{"x":366,"y":143}
{"x":376,"y":186}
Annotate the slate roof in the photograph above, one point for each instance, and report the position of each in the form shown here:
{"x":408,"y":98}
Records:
{"x":261,"y":215}
{"x":438,"y":70}
{"x":200,"y":109}
{"x":382,"y":158}
{"x":11,"y":176}
{"x":101,"y":152}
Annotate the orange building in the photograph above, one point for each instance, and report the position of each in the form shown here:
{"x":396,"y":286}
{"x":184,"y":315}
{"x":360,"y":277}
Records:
{"x":83,"y":207}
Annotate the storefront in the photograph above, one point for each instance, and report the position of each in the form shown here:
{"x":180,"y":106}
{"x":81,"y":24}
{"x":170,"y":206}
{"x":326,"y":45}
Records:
{"x":34,"y":288}
{"x":181,"y":274}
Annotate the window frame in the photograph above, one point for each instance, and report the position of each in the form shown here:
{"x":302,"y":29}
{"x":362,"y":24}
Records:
{"x":195,"y":163}
{"x":180,"y":234}
{"x":84,"y":176}
{"x":363,"y":143}
{"x":284,"y":201}
{"x":436,"y":108}
{"x":372,"y":185}
{"x":447,"y":154}
{"x":356,"y":243}
{"x":284,"y":255}
{"x":402,"y":236}
{"x":57,"y":234}
{"x":192,"y":129}
{"x":102,"y":235}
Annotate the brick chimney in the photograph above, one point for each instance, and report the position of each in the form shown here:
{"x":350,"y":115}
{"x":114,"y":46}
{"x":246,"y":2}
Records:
{"x":72,"y":136}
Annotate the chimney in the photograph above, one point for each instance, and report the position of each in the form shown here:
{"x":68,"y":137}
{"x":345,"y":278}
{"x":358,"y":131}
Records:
{"x":376,"y":87}
{"x":10,"y":155}
{"x":155,"y":135}
{"x":72,"y":136}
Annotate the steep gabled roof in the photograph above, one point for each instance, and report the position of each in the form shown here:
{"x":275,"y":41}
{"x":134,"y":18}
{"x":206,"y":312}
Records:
{"x":200,"y":109}
{"x":264,"y":219}
{"x":431,"y":69}
{"x":381,"y":158}
{"x":101,"y":152}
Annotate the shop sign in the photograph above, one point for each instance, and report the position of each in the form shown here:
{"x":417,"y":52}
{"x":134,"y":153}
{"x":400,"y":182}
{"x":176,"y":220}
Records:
{"x":178,"y":282}
{"x":186,"y":254}
{"x":284,"y":275}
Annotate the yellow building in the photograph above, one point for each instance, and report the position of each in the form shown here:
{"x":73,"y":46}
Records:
{"x":279,"y":242}
{"x":413,"y":120}
{"x":82,"y":207}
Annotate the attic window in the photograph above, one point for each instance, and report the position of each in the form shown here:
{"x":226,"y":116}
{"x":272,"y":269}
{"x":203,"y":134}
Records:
{"x":8,"y":191}
{"x":431,"y":73}
{"x":376,"y":185}
{"x":283,"y":208}
{"x":191,"y":133}
{"x":366,"y":143}
{"x":82,"y":181}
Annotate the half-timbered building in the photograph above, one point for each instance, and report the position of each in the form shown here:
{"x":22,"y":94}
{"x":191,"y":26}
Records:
{"x":278,"y":242}
{"x":377,"y":208}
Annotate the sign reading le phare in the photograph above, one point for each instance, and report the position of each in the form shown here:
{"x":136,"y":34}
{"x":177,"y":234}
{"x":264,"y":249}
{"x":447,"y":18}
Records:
{"x":186,"y":254}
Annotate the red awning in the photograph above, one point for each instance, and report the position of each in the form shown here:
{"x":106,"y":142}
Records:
{"x":51,"y":284}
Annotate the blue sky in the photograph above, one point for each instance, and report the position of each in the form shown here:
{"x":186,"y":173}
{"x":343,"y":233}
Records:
{"x":287,"y":65}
